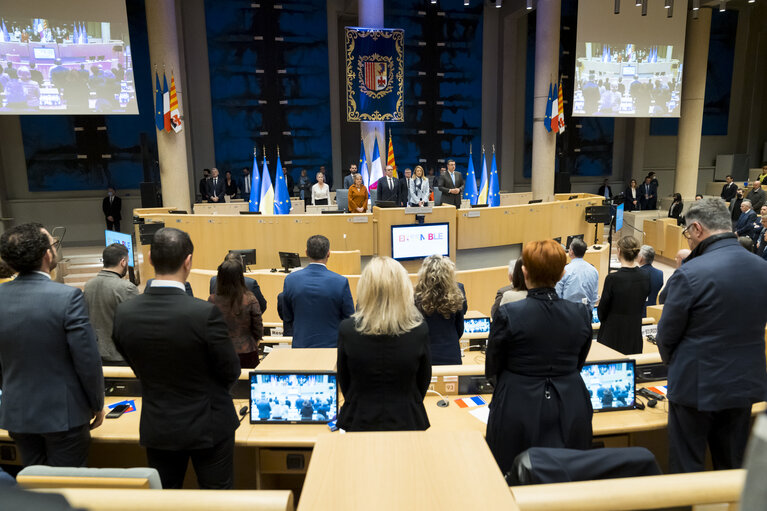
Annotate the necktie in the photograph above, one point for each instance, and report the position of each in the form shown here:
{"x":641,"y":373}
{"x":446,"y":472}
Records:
{"x":391,"y":187}
{"x":452,"y":176}
{"x":247,"y":185}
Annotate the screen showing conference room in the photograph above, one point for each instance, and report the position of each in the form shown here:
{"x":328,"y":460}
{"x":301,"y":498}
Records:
{"x":65,"y":58}
{"x":626,"y":64}
{"x":293,"y":397}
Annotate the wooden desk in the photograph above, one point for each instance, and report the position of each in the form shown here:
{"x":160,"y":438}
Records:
{"x":305,"y":359}
{"x":404,"y":470}
{"x":222,"y":208}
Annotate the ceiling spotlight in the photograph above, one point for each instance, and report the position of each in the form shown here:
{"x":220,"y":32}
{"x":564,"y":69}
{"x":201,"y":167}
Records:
{"x":529,"y":5}
{"x":465,"y":3}
{"x":434,"y":1}
{"x":668,"y":4}
{"x":644,"y":7}
{"x":498,"y":4}
{"x":617,"y":6}
{"x":695,"y":5}
{"x":637,"y":3}
{"x":751,"y":1}
{"x":722,"y":5}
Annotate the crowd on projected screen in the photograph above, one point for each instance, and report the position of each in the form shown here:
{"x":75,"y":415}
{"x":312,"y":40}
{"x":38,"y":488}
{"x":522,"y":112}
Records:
{"x":75,"y":67}
{"x":627,"y":80}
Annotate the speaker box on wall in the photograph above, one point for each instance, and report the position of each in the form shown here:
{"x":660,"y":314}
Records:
{"x":562,"y":182}
{"x":150,"y":198}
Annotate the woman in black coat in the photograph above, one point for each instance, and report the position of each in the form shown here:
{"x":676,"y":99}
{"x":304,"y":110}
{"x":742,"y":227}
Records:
{"x":631,"y":197}
{"x":384,"y":367}
{"x":675,"y":211}
{"x":536,"y":349}
{"x":442,"y":301}
{"x":622,"y":302}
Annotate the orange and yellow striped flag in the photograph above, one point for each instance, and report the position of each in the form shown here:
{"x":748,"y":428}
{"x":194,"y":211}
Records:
{"x":175,"y":116}
{"x":390,"y":156}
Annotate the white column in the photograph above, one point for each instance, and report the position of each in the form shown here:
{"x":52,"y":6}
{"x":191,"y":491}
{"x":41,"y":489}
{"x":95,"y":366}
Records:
{"x":546,"y":71}
{"x":171,"y":147}
{"x":693,"y":92}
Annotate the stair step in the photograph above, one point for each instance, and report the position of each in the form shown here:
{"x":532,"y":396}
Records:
{"x":79,"y":277}
{"x":84,"y":268}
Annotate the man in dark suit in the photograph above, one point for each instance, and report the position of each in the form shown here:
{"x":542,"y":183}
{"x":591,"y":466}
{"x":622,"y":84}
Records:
{"x":756,"y":195}
{"x":451,"y":185}
{"x":53,"y":386}
{"x":250,"y":284}
{"x":729,"y":189}
{"x":404,"y":187}
{"x":204,"y":184}
{"x":646,"y":258}
{"x":388,"y":188}
{"x":349,"y":180}
{"x":216,"y":187}
{"x":180,"y":350}
{"x":714,"y":375}
{"x":315,"y":299}
{"x":605,"y":190}
{"x":648,"y":195}
{"x":111,"y":206}
{"x":244,"y":183}
{"x":745,"y":224}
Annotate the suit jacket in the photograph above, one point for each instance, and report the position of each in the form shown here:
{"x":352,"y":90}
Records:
{"x":187,"y":286}
{"x":620,"y":310}
{"x":745,"y":223}
{"x":404,"y":190}
{"x":349,"y":181}
{"x":417,"y":193}
{"x":180,"y":351}
{"x":315,"y":300}
{"x":384,"y":379}
{"x":656,"y":283}
{"x":729,"y":191}
{"x":204,"y":189}
{"x":51,"y":368}
{"x":103,"y":294}
{"x":251,"y":285}
{"x":761,"y":245}
{"x":652,"y":191}
{"x":384,"y":193}
{"x":675,"y":211}
{"x":498,"y":298}
{"x":628,"y":200}
{"x":218,"y":189}
{"x":711,"y":364}
{"x":112,"y":208}
{"x":446,"y":183}
{"x":757,"y":198}
{"x":601,"y":191}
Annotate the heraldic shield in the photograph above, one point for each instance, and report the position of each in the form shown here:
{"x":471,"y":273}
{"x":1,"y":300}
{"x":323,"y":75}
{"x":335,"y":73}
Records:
{"x":375,"y":69}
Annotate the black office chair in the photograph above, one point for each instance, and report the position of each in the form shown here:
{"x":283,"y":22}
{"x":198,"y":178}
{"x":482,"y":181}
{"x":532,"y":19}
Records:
{"x":544,"y":465}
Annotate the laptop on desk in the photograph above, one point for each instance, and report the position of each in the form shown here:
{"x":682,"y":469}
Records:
{"x":293,"y":397}
{"x":611,"y":384}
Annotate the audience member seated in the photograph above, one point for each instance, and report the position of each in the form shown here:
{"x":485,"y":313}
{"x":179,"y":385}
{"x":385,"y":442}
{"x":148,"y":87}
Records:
{"x":442,"y":301}
{"x":645,"y":260}
{"x":315,"y":300}
{"x":320,"y":191}
{"x":103,"y":294}
{"x":250,"y":284}
{"x":761,"y":240}
{"x":358,"y":195}
{"x":623,"y":300}
{"x":535,"y":352}
{"x":241,"y":312}
{"x":180,"y":351}
{"x":745,"y":224}
{"x":384,"y":365}
{"x":675,"y":210}
{"x":581,"y":280}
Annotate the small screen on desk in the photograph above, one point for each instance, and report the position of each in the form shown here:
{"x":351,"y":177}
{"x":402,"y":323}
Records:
{"x":419,"y":240}
{"x":476,"y":326}
{"x":611,"y":384}
{"x":594,"y":315}
{"x":290,"y":397}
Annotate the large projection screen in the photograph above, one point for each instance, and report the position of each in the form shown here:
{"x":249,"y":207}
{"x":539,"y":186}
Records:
{"x":61,"y":57}
{"x":628,"y":65}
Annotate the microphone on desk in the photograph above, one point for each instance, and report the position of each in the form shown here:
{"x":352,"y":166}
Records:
{"x":243,"y":413}
{"x":443,"y":403}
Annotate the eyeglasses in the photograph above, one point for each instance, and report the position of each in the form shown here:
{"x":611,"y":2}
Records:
{"x":56,"y":245}
{"x":686,"y":231}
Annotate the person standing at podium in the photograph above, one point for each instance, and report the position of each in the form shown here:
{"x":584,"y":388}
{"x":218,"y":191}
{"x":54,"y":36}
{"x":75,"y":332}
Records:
{"x":384,"y":367}
{"x":418,"y":193}
{"x":388,"y":187}
{"x":358,"y":195}
{"x":320,"y":191}
{"x":451,"y":185}
{"x":536,"y":349}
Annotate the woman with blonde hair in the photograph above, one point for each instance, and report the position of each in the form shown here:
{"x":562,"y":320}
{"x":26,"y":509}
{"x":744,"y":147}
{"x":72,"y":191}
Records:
{"x":384,"y":367}
{"x":442,"y":301}
{"x":418,"y":194}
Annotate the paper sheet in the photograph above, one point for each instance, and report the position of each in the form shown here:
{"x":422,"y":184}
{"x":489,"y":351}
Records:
{"x":481,"y":413}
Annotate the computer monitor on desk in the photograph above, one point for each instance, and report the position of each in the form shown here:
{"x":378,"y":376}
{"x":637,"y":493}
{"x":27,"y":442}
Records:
{"x":282,"y":397}
{"x":289,"y":260}
{"x":247,"y":255}
{"x":611,"y":384}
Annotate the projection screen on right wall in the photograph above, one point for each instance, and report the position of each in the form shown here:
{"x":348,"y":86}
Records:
{"x":629,"y":65}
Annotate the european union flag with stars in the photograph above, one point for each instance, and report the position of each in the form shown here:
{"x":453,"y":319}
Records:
{"x":375,"y":72}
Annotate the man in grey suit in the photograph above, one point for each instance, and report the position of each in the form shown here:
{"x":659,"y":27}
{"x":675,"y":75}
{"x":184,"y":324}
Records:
{"x":349,"y":180}
{"x":451,"y":185}
{"x":103,"y":293}
{"x":53,"y":386}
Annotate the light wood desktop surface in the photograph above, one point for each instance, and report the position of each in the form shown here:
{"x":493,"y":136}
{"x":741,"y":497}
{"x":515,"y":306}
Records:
{"x":304,"y":359}
{"x":404,"y":470}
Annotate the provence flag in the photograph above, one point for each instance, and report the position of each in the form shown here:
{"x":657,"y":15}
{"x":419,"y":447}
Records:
{"x":282,"y":198}
{"x":494,"y":194}
{"x":159,"y":120}
{"x":255,"y":186}
{"x":470,"y":191}
{"x":375,"y":71}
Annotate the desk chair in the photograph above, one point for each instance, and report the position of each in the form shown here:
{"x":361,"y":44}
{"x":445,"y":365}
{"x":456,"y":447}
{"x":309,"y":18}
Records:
{"x":41,"y":476}
{"x":345,"y":262}
{"x":544,"y":465}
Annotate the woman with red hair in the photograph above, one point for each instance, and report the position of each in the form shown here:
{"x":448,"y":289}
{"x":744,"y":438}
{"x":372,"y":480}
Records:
{"x":536,"y":349}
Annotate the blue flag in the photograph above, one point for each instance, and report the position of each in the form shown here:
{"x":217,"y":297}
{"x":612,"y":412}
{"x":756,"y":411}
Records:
{"x":547,"y":114}
{"x":75,"y":34}
{"x":494,"y":194}
{"x":255,"y":187}
{"x":363,"y":167}
{"x":282,"y":197}
{"x":483,"y":184}
{"x":158,"y":118}
{"x":84,"y":32}
{"x":6,"y":36}
{"x":267,"y":192}
{"x":470,"y":191}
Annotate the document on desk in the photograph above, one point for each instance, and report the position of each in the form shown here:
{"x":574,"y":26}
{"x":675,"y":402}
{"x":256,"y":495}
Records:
{"x":481,"y":413}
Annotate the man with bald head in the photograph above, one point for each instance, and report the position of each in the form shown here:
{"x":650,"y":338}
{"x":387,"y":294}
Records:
{"x":216,"y":187}
{"x":745,"y":224}
{"x":756,"y":195}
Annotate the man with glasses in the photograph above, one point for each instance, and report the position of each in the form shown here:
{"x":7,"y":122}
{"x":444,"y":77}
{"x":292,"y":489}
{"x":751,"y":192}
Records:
{"x":711,"y":336}
{"x":53,"y":386}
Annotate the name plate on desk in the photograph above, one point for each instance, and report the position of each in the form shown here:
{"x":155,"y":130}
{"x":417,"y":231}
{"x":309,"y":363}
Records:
{"x":472,"y":214}
{"x":359,"y":219}
{"x":649,"y":330}
{"x":417,"y":210}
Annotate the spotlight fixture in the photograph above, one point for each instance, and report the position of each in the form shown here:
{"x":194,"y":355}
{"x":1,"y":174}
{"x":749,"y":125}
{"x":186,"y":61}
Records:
{"x":670,"y":10}
{"x":498,"y":4}
{"x":695,"y":5}
{"x":637,"y":3}
{"x":617,"y":6}
{"x":668,"y":4}
{"x":465,"y":3}
{"x":751,"y":1}
{"x":529,"y":5}
{"x":433,"y":1}
{"x":644,"y":7}
{"x":722,"y":5}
